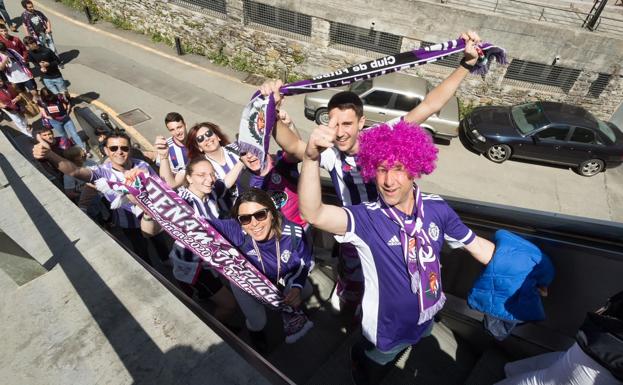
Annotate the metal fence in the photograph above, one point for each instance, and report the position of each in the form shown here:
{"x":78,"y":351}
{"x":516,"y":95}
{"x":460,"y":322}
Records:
{"x":545,"y":13}
{"x":278,"y":20}
{"x":554,"y":78}
{"x":212,"y":7}
{"x":599,"y":85}
{"x":361,"y":40}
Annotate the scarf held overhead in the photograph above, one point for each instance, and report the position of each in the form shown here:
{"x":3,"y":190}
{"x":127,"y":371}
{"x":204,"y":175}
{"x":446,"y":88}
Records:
{"x":258,"y":117}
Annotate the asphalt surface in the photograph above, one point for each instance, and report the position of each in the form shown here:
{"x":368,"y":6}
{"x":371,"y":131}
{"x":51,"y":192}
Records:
{"x":126,"y":71}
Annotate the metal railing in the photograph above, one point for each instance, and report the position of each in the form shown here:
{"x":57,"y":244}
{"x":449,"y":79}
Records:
{"x":555,"y":77}
{"x":546,"y":13}
{"x":599,"y":85}
{"x":277,"y":20}
{"x":361,"y":40}
{"x":216,"y":8}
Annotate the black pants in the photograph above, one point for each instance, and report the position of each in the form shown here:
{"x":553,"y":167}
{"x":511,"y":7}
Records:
{"x":138,"y":243}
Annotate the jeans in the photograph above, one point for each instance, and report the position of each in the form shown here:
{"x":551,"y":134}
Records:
{"x":5,"y":14}
{"x":47,"y":40}
{"x":56,"y":85}
{"x":66,"y":129}
{"x":383,"y":358}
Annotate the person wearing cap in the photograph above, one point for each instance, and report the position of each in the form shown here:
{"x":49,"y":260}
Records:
{"x":340,"y":160}
{"x":398,"y":237}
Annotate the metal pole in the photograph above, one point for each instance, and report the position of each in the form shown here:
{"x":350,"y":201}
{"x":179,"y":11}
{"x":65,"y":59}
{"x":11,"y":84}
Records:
{"x":592,"y":23}
{"x":178,"y":46}
{"x":87,"y":12}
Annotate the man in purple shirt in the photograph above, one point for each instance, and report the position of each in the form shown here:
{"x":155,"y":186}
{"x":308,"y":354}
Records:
{"x":120,"y":167}
{"x":398,"y":237}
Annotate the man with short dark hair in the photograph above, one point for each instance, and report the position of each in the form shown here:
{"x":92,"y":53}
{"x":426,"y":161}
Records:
{"x":120,"y":167}
{"x":38,"y":26}
{"x":13,"y":42}
{"x":177,"y":154}
{"x":48,"y":65}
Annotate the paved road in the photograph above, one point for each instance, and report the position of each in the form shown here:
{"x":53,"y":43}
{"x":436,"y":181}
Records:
{"x":127,"y":71}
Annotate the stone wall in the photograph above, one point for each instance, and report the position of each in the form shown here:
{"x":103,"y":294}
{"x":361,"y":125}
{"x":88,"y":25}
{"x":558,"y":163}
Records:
{"x":226,"y":40}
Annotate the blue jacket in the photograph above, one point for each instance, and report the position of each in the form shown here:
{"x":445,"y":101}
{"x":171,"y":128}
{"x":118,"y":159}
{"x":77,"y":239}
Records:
{"x":507,"y":287}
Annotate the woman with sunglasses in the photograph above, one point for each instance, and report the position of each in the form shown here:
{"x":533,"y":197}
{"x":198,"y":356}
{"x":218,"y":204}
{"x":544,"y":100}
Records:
{"x":200,"y":192}
{"x":206,"y":139}
{"x":277,"y":248}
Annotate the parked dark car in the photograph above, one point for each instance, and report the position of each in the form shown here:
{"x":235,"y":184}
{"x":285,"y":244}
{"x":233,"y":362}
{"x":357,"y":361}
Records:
{"x":545,"y":131}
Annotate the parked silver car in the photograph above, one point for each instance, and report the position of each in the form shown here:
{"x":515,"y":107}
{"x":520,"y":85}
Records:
{"x":387,"y":97}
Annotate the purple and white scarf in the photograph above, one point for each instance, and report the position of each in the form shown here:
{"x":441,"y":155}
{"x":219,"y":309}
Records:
{"x":421,"y":262}
{"x":254,"y":134}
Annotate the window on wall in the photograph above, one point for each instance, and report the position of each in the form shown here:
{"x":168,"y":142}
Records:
{"x":281,"y":19}
{"x":451,"y":61}
{"x":549,"y":75}
{"x":366,"y":39}
{"x":599,"y":85}
{"x":209,"y":6}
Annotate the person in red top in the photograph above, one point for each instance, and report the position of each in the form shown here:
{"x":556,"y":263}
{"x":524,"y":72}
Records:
{"x":9,"y":98}
{"x":13,"y":42}
{"x":55,"y":110}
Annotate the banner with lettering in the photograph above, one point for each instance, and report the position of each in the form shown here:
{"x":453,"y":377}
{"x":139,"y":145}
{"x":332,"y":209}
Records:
{"x":178,"y":219}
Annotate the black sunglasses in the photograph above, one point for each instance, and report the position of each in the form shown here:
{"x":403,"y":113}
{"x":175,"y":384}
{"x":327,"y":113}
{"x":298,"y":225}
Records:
{"x":122,"y":148}
{"x":258,"y":215}
{"x":208,"y":134}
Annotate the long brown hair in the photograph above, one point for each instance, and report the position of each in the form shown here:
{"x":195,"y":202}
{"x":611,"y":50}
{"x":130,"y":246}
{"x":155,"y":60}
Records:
{"x":263,"y":198}
{"x":191,"y":139}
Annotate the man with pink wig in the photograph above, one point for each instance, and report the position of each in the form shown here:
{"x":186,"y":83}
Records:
{"x":341,"y":159}
{"x":398,"y":238}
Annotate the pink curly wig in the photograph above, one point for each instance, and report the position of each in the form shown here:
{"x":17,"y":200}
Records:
{"x":405,"y":143}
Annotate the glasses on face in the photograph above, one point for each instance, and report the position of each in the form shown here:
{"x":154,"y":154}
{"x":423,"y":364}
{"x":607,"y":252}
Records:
{"x":208,"y":134}
{"x":122,"y":148}
{"x":259,"y":216}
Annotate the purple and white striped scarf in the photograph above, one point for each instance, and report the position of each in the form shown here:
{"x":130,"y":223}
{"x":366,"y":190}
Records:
{"x":255,"y":138}
{"x":421,"y":262}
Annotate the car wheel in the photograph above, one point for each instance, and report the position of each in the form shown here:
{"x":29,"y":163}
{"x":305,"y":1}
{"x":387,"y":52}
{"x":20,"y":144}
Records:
{"x":591,"y":167}
{"x":322,"y":116}
{"x":498,"y":153}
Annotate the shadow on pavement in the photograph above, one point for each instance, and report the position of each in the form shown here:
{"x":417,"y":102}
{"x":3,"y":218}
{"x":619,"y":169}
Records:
{"x":68,"y":56}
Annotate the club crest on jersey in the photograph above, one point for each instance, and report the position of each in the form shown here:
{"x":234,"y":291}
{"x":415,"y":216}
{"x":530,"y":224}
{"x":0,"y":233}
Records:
{"x":347,"y":167}
{"x":285,"y":256}
{"x":433,"y":231}
{"x":276,"y":178}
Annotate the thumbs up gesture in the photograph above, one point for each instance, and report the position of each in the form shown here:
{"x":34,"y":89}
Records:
{"x":41,"y":149}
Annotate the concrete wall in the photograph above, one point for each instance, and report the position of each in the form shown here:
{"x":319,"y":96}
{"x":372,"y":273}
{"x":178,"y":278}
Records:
{"x":226,"y":38}
{"x":96,"y":316}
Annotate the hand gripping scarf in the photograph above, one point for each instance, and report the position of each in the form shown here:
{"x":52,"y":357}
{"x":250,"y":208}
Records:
{"x":421,"y":262}
{"x":178,"y":219}
{"x":258,"y":117}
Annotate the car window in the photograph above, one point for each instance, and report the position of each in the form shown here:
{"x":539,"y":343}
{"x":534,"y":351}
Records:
{"x":406,"y":103}
{"x":378,"y":98}
{"x":607,"y":130}
{"x":582,"y":135}
{"x":529,"y":117}
{"x":553,"y":133}
{"x":361,"y":86}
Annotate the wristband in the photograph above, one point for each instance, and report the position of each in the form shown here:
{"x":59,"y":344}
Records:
{"x":464,"y":64}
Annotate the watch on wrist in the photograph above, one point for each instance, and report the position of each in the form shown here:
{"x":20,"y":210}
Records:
{"x":464,"y":64}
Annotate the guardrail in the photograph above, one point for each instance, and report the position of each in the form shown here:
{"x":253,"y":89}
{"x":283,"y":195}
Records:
{"x":545,"y":13}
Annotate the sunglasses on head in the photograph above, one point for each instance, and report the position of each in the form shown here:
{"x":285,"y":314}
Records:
{"x":258,"y":215}
{"x":208,"y":134}
{"x":122,"y":148}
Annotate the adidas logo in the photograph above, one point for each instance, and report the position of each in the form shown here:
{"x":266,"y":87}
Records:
{"x":251,"y":252}
{"x":394,"y":241}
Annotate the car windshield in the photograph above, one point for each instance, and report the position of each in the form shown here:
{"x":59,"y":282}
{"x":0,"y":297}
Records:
{"x":606,"y":130}
{"x":361,"y":86}
{"x":529,"y":117}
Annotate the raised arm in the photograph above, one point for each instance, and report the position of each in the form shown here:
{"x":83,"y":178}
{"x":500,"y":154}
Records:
{"x":42,"y":151}
{"x":481,"y":249}
{"x":232,"y":176}
{"x":440,"y":95}
{"x":332,"y":219}
{"x":172,"y":179}
{"x":286,"y":138}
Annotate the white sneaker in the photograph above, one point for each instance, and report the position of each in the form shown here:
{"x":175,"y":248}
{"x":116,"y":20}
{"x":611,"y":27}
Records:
{"x":292,"y":338}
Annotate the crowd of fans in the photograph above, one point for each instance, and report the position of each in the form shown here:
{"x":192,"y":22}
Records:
{"x":390,"y":233}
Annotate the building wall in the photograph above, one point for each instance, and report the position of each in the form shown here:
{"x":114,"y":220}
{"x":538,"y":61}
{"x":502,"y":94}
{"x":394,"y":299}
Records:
{"x":227,"y":39}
